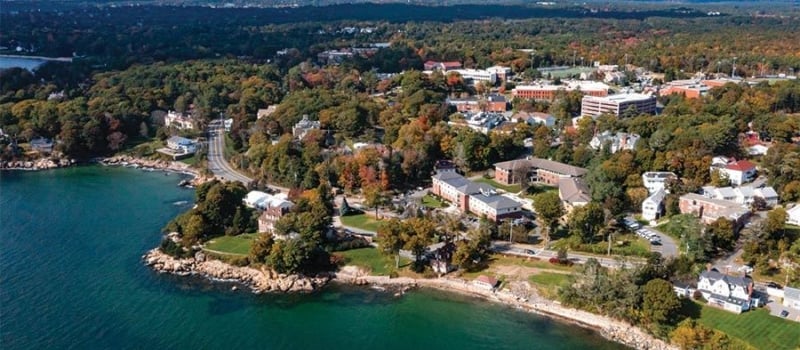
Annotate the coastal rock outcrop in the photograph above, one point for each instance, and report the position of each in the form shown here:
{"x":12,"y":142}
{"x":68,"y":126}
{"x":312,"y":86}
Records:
{"x":38,"y":164}
{"x":156,"y":164}
{"x":259,"y":280}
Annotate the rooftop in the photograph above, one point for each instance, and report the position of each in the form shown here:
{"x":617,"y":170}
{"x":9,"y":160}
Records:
{"x":741,"y":165}
{"x":621,"y":98}
{"x":495,"y":201}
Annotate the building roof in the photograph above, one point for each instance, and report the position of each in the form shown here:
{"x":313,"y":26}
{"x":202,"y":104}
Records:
{"x":741,"y":165}
{"x":486,"y":279}
{"x":573,"y":190}
{"x":495,"y":201}
{"x":497,"y":98}
{"x":567,"y":85}
{"x":657,"y":197}
{"x":621,"y":98}
{"x":791,"y":293}
{"x":180,"y":140}
{"x":462,"y":184}
{"x":658,"y":175}
{"x":557,"y":167}
{"x":731,"y":210}
{"x":544,"y":164}
{"x":766,"y":192}
{"x":715,"y":275}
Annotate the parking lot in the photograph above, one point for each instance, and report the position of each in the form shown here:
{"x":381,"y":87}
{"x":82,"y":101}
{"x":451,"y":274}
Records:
{"x":659,"y":242}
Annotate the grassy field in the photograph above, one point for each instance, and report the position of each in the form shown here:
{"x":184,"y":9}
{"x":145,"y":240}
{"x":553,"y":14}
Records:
{"x":626,"y":245}
{"x":433,"y":202}
{"x":191,"y":160}
{"x":756,"y":328}
{"x":549,"y":279}
{"x":677,"y":224}
{"x":507,"y":188}
{"x":361,"y":221}
{"x":231,"y":245}
{"x":372,"y":259}
{"x":536,"y":189}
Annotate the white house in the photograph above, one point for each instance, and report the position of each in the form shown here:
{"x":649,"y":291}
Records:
{"x":617,"y":142}
{"x":793,"y":216}
{"x":757,"y":150}
{"x":738,"y":172}
{"x":657,"y":180}
{"x":179,"y":120}
{"x":652,"y":207}
{"x":742,"y":195}
{"x":181,"y":145}
{"x":731,"y":293}
{"x":791,"y":297}
{"x":305,"y":125}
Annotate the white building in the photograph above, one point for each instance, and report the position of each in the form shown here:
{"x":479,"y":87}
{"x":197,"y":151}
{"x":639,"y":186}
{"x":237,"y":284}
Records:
{"x":742,"y":195}
{"x":493,"y":206}
{"x":301,"y":129}
{"x":791,"y":297}
{"x":618,"y":104}
{"x":476,"y":75}
{"x":653,"y":206}
{"x":179,"y":120}
{"x":657,"y":180}
{"x":731,"y":293}
{"x":617,"y":142}
{"x":738,"y":172}
{"x":793,"y":216}
{"x":181,"y":145}
{"x":502,"y":73}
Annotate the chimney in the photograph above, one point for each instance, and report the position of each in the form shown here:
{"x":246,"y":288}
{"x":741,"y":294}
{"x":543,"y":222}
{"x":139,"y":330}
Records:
{"x":708,"y":267}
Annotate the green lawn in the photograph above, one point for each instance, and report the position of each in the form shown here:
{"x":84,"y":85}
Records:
{"x":231,"y":245}
{"x":549,"y":279}
{"x":757,"y":328}
{"x":507,"y":188}
{"x":432,"y":202}
{"x":361,"y":221}
{"x":537,"y":188}
{"x":625,"y":245}
{"x":191,"y":160}
{"x":677,"y":224}
{"x":372,"y":259}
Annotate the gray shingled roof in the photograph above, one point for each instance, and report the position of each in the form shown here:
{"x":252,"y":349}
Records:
{"x":545,"y":164}
{"x":496,"y":201}
{"x":461,"y":183}
{"x":715,"y":275}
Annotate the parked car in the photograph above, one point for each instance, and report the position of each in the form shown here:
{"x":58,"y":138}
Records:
{"x":784,"y":313}
{"x":774,"y":285}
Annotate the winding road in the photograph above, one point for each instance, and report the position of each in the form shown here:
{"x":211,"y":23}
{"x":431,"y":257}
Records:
{"x":216,"y":155}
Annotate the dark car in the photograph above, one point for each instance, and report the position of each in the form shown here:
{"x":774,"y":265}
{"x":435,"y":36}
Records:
{"x":784,"y":313}
{"x":774,"y":285}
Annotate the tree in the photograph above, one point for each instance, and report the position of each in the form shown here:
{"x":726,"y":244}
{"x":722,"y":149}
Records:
{"x":261,"y":248}
{"x":548,"y":209}
{"x":691,"y":335}
{"x":774,"y":223}
{"x":374,"y":197}
{"x":719,"y":179}
{"x":586,"y":221}
{"x":660,"y":305}
{"x":723,"y":235}
{"x":390,"y":239}
{"x":194,"y":229}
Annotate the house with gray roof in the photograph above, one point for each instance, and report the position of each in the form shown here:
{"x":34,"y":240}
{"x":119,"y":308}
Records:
{"x":731,"y":293}
{"x":472,"y":197}
{"x":573,"y":193}
{"x":537,"y":169}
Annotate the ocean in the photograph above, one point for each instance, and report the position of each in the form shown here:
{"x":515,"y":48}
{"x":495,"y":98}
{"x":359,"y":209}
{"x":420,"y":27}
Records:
{"x":21,"y":62}
{"x":71,"y":277}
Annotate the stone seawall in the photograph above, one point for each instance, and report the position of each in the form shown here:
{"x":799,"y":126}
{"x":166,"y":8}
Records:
{"x":520,"y":296}
{"x":258,"y":280}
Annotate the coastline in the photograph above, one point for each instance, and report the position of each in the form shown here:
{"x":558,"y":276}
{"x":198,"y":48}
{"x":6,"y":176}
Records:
{"x":520,"y":295}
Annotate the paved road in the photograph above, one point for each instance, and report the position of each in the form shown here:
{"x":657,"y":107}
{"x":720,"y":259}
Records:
{"x":216,"y":157}
{"x":545,"y":254}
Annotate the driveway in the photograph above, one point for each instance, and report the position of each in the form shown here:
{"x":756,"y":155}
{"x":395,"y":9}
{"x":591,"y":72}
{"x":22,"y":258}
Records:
{"x":668,"y":247}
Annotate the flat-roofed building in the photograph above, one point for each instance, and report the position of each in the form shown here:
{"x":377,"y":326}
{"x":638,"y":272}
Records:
{"x":547,"y":91}
{"x":618,"y":104}
{"x":537,"y":169}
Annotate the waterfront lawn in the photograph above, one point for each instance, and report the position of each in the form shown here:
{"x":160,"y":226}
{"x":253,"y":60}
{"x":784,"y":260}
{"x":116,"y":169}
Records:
{"x":231,"y":245}
{"x":191,"y":160}
{"x":757,"y":328}
{"x":491,"y":182}
{"x":371,"y":259}
{"x":497,"y":260}
{"x":361,"y":221}
{"x":549,"y":282}
{"x":432,"y":202}
{"x":625,"y":245}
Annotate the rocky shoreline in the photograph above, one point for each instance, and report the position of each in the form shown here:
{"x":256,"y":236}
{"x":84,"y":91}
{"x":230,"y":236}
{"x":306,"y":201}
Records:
{"x":258,"y":280}
{"x":520,"y":296}
{"x":155,"y":164}
{"x":38,"y":164}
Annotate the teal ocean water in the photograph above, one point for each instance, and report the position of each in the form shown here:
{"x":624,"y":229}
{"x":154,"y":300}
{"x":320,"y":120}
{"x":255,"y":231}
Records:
{"x":71,"y":278}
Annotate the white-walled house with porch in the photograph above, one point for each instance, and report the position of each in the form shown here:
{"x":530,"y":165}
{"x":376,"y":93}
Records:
{"x":731,"y":293}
